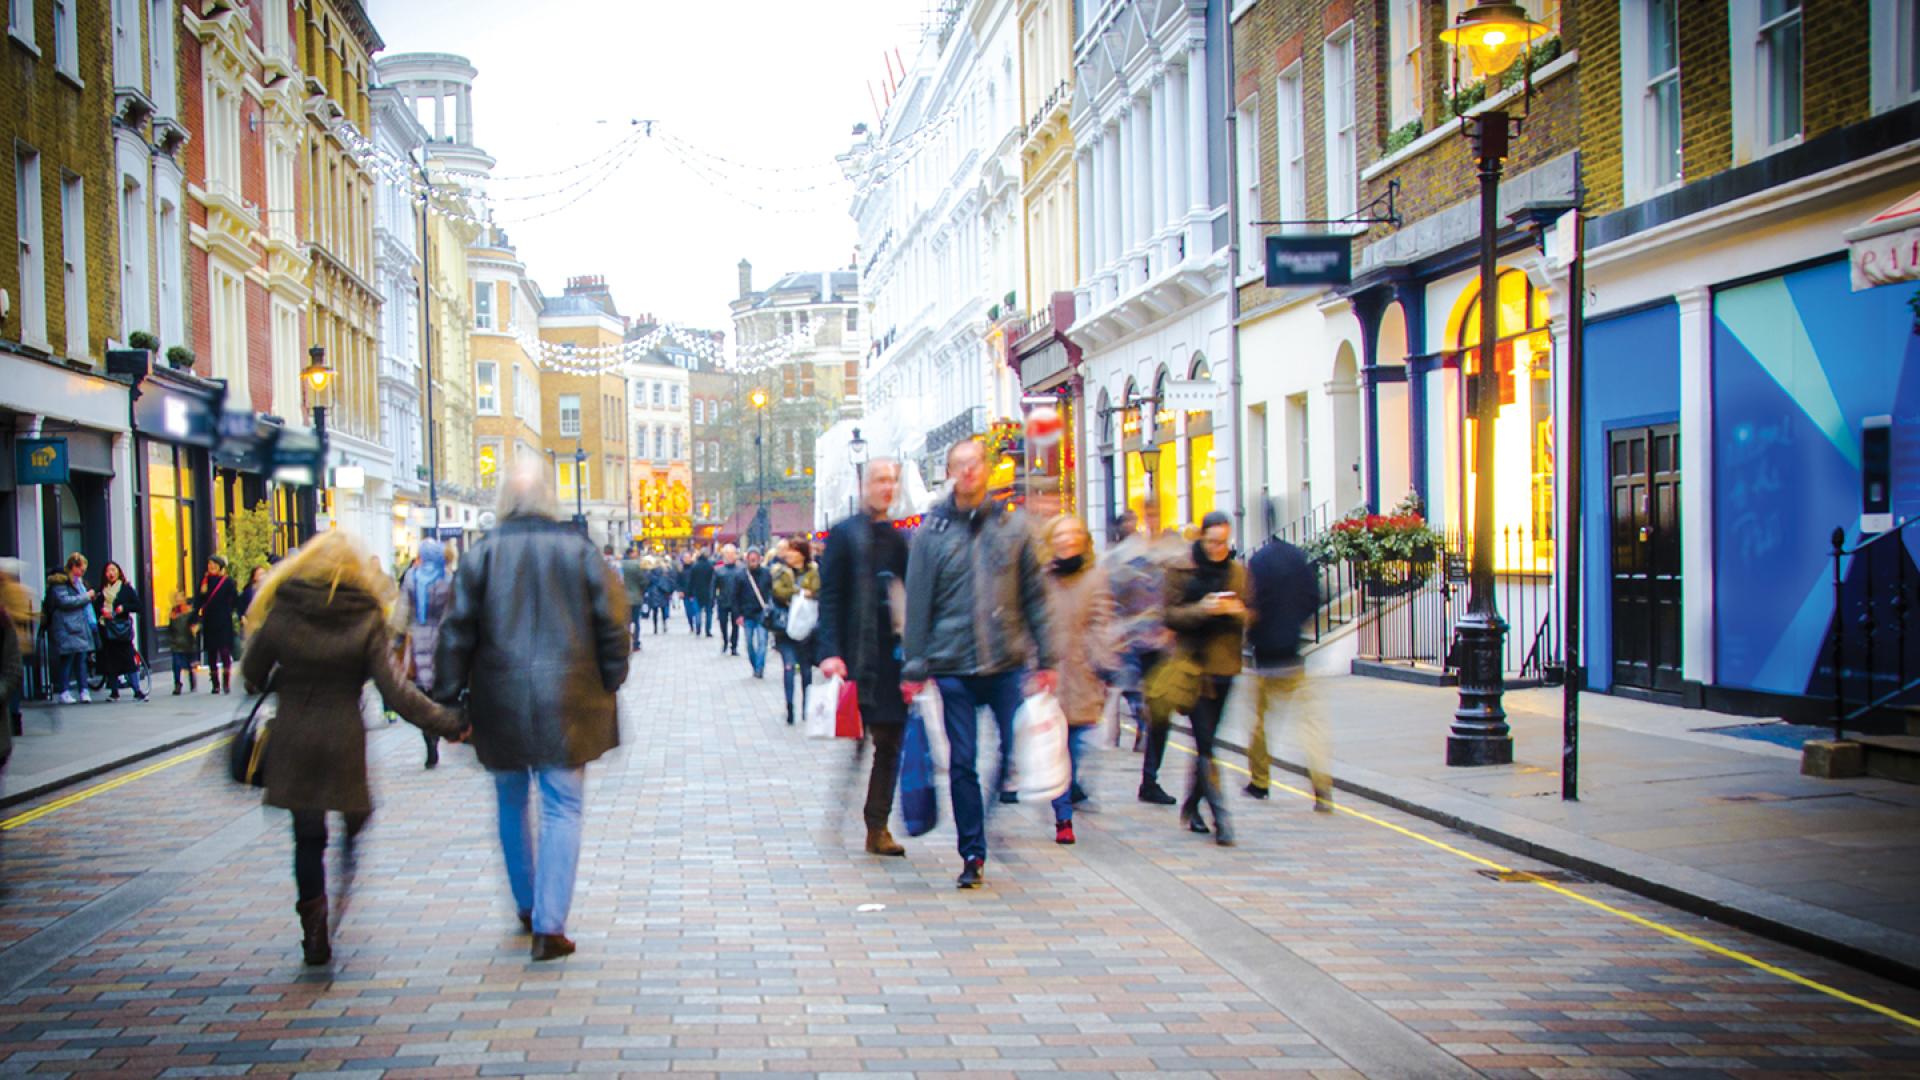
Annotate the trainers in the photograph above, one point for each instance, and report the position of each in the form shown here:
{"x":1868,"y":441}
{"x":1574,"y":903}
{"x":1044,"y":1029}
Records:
{"x":972,"y":875}
{"x":1063,"y":832}
{"x":1155,"y":794}
{"x":1256,"y":791}
{"x":86,"y":697}
{"x":67,"y":698}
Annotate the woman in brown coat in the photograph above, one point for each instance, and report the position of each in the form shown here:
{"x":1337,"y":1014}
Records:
{"x":1208,"y":600}
{"x":321,"y":634}
{"x":1080,"y":618}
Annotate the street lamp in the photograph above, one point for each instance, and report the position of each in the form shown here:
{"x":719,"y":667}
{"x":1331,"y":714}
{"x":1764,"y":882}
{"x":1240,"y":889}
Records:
{"x":857,"y":453}
{"x":318,"y":377}
{"x":1494,"y":34}
{"x":759,"y":400}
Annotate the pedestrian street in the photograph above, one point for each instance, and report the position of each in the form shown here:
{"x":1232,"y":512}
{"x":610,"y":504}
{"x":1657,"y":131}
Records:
{"x":728,"y":922}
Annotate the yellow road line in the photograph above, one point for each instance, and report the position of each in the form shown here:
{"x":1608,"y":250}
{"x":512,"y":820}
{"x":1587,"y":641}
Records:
{"x":1561,"y":890}
{"x":63,"y":802}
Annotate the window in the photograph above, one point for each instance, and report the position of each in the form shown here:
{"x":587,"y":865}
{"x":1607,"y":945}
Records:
{"x":483,"y":305}
{"x":853,"y":318}
{"x":1895,"y":44}
{"x":1779,"y":67}
{"x":20,"y":20}
{"x":699,"y":411}
{"x":713,"y":457}
{"x":1342,"y":169}
{"x":280,"y":207}
{"x":569,"y":414}
{"x":699,"y":457}
{"x":227,"y":305}
{"x":286,"y":359}
{"x":489,"y":464}
{"x":659,"y":441}
{"x":33,"y":262}
{"x":223,"y":140}
{"x":1650,"y":88}
{"x":566,"y":472}
{"x":487,"y":389}
{"x":126,"y":43}
{"x":1291,"y":129}
{"x":133,"y":255}
{"x":66,"y":40}
{"x":656,"y":395}
{"x":160,"y":19}
{"x":673,"y":395}
{"x":167,"y":274}
{"x":1408,"y":71}
{"x":520,"y":394}
{"x":676,"y":441}
{"x":73,"y":243}
{"x":1246,"y":128}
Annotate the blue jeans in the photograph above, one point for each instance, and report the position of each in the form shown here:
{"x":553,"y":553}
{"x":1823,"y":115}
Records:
{"x":542,"y":881}
{"x":961,"y":699}
{"x":757,"y":646}
{"x":1076,"y":745}
{"x":692,"y":607}
{"x":70,"y":673}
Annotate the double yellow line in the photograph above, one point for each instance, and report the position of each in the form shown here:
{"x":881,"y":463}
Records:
{"x":1638,"y":920}
{"x":81,"y":796}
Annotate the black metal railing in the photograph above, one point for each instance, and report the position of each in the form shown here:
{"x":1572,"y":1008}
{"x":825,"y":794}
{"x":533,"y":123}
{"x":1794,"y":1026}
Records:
{"x":1871,"y":650}
{"x":1411,"y":610}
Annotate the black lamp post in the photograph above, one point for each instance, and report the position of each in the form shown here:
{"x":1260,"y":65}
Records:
{"x":1494,"y":34}
{"x":579,"y":486}
{"x":857,"y":452}
{"x":318,"y":376}
{"x":762,"y":522}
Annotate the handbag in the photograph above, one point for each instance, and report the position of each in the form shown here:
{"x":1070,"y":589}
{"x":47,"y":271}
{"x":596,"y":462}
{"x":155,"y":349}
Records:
{"x":1173,"y":686}
{"x":246,"y":753}
{"x":117,"y":630}
{"x":803,"y":614}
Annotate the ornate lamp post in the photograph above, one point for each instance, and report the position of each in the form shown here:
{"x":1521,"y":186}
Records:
{"x":759,"y":400}
{"x":318,"y":377}
{"x":1494,"y":34}
{"x":857,"y":453}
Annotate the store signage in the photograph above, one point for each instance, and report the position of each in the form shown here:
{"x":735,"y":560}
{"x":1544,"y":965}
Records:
{"x":1309,"y":260}
{"x":1187,"y":395}
{"x":1885,"y":250}
{"x":350,"y":477}
{"x":40,"y":461}
{"x":178,"y":415}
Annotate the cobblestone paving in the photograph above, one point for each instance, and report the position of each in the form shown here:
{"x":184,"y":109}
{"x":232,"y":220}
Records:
{"x":720,"y":932}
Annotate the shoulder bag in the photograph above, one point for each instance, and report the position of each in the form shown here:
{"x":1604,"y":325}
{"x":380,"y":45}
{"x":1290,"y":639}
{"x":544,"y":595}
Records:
{"x":247,"y":750}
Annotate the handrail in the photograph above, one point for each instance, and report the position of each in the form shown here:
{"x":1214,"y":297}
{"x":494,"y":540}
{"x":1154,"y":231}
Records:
{"x":1902,"y":685}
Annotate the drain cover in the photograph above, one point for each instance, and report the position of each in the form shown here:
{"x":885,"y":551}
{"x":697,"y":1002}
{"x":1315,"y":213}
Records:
{"x":1557,"y":877}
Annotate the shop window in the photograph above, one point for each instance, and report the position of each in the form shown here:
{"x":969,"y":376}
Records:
{"x":1522,"y":383}
{"x":1200,"y":469}
{"x":570,"y":415}
{"x":170,"y":534}
{"x":1895,"y":45}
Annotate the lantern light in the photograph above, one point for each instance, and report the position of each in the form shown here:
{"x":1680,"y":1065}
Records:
{"x":1494,"y":33}
{"x":317,"y":374}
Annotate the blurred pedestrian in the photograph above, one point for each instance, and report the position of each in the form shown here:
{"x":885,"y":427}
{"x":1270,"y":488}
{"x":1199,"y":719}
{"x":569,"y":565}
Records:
{"x":13,"y":655}
{"x":182,"y":642}
{"x":633,"y":579}
{"x":1285,"y":595}
{"x":537,"y":643}
{"x":725,"y":576}
{"x":69,"y":608}
{"x":700,"y":595}
{"x":1080,"y":618}
{"x":119,"y":626}
{"x":16,"y":605}
{"x":213,"y":609}
{"x":1137,"y":569}
{"x":794,"y":575}
{"x":1208,"y":600}
{"x":426,"y":593}
{"x":976,"y":616}
{"x":659,"y":594}
{"x":752,"y":597}
{"x":255,"y":578}
{"x":863,"y":604}
{"x":319,"y":635}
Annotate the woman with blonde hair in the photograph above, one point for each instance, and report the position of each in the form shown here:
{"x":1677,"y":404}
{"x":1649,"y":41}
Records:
{"x":320,"y":634}
{"x":1080,"y":618}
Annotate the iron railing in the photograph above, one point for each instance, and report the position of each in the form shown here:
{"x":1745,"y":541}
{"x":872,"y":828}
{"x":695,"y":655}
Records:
{"x":1871,"y":652}
{"x":1340,"y":596}
{"x":1411,"y":620}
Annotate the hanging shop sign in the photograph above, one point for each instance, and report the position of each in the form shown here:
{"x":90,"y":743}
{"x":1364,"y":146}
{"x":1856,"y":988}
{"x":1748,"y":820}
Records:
{"x":179,"y":412}
{"x":40,"y":461}
{"x":1309,"y":260}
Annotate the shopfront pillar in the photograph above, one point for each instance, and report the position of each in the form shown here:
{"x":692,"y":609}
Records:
{"x":1157,"y":181}
{"x":1411,"y":296}
{"x":1174,"y":153}
{"x":1140,"y":207}
{"x":1368,"y":308}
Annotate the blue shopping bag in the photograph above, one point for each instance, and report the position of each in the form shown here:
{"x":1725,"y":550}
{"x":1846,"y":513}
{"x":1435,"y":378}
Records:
{"x":918,"y":808}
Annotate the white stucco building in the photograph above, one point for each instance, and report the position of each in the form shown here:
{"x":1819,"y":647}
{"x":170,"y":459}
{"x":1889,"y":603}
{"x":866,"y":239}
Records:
{"x":397,"y":273}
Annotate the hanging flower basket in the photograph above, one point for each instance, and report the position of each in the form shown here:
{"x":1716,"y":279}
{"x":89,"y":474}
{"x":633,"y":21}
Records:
{"x":1391,"y":554}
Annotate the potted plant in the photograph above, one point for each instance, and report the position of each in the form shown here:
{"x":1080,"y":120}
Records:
{"x":181,"y":357}
{"x":1391,"y":553}
{"x":143,"y":341}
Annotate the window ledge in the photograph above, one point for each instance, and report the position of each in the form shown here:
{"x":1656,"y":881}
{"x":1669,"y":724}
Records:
{"x":1251,"y":277}
{"x":1449,"y":129}
{"x":72,"y":78}
{"x":24,"y":42}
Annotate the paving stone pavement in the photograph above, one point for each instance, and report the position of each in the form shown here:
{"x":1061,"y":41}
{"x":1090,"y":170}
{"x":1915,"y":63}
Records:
{"x":149,"y":931}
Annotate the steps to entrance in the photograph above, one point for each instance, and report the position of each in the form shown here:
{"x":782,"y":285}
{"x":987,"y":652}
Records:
{"x":1892,"y":757}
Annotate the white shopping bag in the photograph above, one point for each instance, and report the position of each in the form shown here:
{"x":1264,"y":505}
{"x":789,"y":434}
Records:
{"x":933,"y":715}
{"x":823,"y":704}
{"x":803,"y":614}
{"x":1041,"y":767}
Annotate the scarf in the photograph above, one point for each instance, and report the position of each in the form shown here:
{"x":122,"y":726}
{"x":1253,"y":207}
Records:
{"x":1208,"y":576}
{"x":110,"y":592}
{"x":427,"y":572}
{"x":1069,"y":566}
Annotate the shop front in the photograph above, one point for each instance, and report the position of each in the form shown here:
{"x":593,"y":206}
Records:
{"x":1052,"y":407}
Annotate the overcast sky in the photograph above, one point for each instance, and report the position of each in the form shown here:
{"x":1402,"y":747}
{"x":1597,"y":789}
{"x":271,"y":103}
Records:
{"x":773,"y":84}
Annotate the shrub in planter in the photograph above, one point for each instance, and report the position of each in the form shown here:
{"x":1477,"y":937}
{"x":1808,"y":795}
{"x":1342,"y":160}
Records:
{"x":1391,"y":553}
{"x":181,"y":357}
{"x":140,"y":339}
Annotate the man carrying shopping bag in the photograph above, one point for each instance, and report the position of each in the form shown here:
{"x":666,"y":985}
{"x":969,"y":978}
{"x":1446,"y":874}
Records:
{"x":862,"y":600}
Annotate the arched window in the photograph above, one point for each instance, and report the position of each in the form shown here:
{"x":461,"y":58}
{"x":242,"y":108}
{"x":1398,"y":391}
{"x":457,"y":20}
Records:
{"x":1522,"y":386}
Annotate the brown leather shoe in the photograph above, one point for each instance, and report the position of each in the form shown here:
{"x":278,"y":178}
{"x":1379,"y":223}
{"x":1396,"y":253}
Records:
{"x":313,"y":930}
{"x":551,"y":946}
{"x":881,"y":842}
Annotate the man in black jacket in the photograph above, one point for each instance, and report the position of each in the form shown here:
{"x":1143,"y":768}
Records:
{"x":752,"y":592}
{"x":862,"y":611}
{"x":537,"y":642}
{"x":724,"y":577}
{"x":700,"y":595}
{"x":1286,"y":593}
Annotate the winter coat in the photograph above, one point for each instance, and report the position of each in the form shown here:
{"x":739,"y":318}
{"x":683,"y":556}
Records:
{"x":659,"y":589}
{"x":116,"y":654}
{"x":745,"y":601}
{"x":1213,"y":642}
{"x":1286,"y":594}
{"x":320,"y":645}
{"x":214,"y":607}
{"x":1080,"y":618}
{"x":863,"y":558}
{"x":1137,"y":571}
{"x":67,"y":624}
{"x":537,"y":641}
{"x":976,"y":604}
{"x":422,"y":629}
{"x":633,"y":577}
{"x":12,"y":670}
{"x":699,"y":581}
{"x":786,"y":583}
{"x":725,"y":577}
{"x":180,"y":636}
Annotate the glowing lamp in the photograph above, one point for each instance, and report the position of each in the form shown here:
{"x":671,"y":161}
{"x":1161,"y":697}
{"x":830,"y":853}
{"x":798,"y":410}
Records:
{"x":317,"y":374}
{"x":1494,"y":33}
{"x":759,"y":399}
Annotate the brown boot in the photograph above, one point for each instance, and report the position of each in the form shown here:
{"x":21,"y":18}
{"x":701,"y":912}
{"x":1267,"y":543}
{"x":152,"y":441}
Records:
{"x":881,"y":842}
{"x":313,"y":930}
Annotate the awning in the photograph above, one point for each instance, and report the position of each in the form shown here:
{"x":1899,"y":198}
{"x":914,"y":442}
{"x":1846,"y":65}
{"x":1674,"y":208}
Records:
{"x":1885,"y":249}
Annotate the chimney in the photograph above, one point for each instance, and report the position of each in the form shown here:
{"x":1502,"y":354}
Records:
{"x":746,"y":279}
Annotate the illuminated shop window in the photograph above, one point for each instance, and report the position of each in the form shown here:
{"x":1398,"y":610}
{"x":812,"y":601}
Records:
{"x":1523,"y":425}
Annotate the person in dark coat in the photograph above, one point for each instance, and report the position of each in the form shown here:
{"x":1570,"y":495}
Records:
{"x":320,"y":635}
{"x":794,"y":574}
{"x":700,"y":595}
{"x":537,"y":645}
{"x":214,"y":607}
{"x":725,"y":575}
{"x":426,"y":592}
{"x":119,"y":608}
{"x":633,"y":578}
{"x":659,"y":595}
{"x":70,"y":629}
{"x":863,"y":605}
{"x":1286,"y":593}
{"x":1208,"y":604}
{"x":752,"y":595}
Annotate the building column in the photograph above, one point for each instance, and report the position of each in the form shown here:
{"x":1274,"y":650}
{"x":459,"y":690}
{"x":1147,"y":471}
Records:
{"x":1157,"y":141}
{"x":1199,"y":197}
{"x":1173,"y":153}
{"x":1140,"y":208}
{"x":1082,"y":230}
{"x":439,"y":111}
{"x":1129,"y":194}
{"x":1696,"y":490}
{"x":1110,"y":215}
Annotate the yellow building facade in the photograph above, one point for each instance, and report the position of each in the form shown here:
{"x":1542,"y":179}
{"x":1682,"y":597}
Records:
{"x":586,"y":414}
{"x":507,"y":420}
{"x":450,"y":303}
{"x":1047,"y":182}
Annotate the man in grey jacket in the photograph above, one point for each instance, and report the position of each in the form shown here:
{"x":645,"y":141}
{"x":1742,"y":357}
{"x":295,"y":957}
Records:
{"x":976,"y":617}
{"x":537,"y":642}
